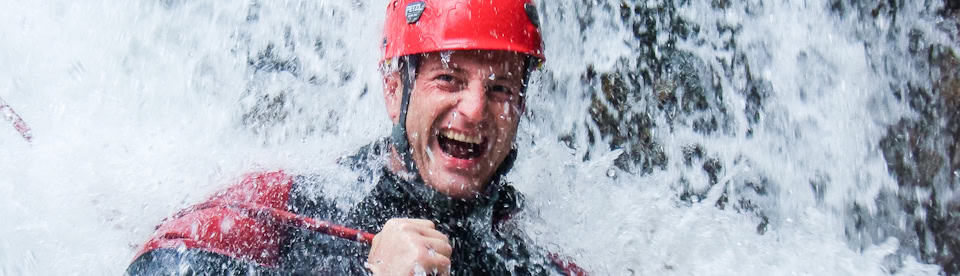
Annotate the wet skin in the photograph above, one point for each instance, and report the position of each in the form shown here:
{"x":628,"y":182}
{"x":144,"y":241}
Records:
{"x":463,"y":115}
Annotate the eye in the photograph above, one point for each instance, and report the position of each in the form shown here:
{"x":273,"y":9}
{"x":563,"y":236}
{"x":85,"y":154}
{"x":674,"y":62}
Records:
{"x":499,"y":89}
{"x":502,"y":92}
{"x":444,"y":78}
{"x":447,"y":82}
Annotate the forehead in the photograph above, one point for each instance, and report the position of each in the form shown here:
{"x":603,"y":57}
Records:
{"x":496,"y":61}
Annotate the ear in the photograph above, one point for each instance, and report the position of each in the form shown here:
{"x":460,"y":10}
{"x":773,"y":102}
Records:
{"x":392,"y":95}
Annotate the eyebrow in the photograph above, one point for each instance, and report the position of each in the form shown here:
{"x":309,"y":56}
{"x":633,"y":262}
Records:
{"x":458,"y":70}
{"x":503,"y":78}
{"x":449,"y":68}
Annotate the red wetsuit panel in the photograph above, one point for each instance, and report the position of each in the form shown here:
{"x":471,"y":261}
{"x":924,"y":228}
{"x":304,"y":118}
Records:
{"x":216,"y":227}
{"x":566,"y":265}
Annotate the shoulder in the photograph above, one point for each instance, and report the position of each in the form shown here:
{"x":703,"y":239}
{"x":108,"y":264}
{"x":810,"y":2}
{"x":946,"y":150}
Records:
{"x":225,"y":223}
{"x":267,"y":189}
{"x":507,"y":204}
{"x":229,"y":227}
{"x":368,"y":159}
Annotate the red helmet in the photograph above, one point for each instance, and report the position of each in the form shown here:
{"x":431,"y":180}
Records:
{"x":422,"y":26}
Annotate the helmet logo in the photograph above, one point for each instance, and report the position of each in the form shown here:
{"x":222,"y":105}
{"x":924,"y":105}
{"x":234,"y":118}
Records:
{"x":531,"y":13}
{"x":414,"y":10}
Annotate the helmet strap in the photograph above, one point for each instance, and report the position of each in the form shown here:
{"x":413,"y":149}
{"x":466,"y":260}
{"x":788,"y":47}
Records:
{"x":531,"y":64}
{"x":408,"y":72}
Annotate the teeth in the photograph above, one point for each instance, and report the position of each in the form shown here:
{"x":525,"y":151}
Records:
{"x":461,"y":137}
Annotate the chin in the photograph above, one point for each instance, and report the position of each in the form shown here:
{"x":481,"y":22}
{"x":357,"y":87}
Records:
{"x":456,"y":186}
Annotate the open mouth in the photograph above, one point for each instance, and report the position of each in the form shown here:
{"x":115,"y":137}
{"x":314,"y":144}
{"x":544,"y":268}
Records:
{"x":459,"y":145}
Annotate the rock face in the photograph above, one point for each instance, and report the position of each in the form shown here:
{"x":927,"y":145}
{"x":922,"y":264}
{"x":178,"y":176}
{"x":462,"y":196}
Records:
{"x":923,"y":154}
{"x":949,"y":88}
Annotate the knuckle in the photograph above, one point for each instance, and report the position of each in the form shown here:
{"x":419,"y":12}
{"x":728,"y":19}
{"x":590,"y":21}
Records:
{"x":422,"y":254}
{"x":428,"y":223}
{"x":397,"y":224}
{"x":443,"y":261}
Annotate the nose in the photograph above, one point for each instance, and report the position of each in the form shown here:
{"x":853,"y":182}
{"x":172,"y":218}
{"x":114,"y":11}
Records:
{"x":473,"y":102}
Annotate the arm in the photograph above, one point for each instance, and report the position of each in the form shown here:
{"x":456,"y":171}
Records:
{"x":213,"y":238}
{"x":170,"y":261}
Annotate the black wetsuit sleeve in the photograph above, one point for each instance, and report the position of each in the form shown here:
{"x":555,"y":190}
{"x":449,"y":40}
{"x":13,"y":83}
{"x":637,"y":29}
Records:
{"x":168,"y":261}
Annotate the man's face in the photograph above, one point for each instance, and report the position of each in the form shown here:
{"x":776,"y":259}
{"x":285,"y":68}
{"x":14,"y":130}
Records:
{"x":463,"y":116}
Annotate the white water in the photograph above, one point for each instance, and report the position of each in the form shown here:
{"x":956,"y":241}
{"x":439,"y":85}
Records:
{"x":137,"y":111}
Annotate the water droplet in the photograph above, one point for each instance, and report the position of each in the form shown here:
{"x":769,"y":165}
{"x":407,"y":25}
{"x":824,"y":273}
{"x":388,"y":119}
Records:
{"x":429,"y":153}
{"x":226,"y":224}
{"x":418,"y":270}
{"x":445,"y":58}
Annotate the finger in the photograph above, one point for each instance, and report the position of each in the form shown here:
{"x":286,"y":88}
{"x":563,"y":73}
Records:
{"x":439,"y":247}
{"x":395,"y":222}
{"x":437,"y":265}
{"x":433,"y":233}
{"x":421,"y":222}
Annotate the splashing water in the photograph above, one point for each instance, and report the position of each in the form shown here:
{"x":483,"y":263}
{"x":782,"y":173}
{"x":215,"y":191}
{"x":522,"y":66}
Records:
{"x":700,"y":137}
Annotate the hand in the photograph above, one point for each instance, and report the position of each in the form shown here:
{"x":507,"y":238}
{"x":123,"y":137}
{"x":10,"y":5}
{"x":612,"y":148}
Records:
{"x":406,"y":246}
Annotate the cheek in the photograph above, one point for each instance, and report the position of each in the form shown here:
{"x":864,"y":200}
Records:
{"x":507,"y":123}
{"x":427,"y":112}
{"x":505,"y":113}
{"x":416,"y":121}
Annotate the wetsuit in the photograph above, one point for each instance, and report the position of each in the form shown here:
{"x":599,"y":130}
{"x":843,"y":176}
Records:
{"x":217,"y":237}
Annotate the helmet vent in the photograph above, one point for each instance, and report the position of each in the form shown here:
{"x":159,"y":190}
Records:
{"x":414,"y":10}
{"x":531,"y":14}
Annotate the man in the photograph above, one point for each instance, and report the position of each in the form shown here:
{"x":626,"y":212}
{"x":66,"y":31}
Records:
{"x":455,"y":74}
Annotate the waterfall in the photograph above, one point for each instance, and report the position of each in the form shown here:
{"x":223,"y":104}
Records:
{"x":661,"y":137}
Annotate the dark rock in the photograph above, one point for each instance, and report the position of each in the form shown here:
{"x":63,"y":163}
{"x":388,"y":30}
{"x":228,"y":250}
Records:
{"x":922,"y":155}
